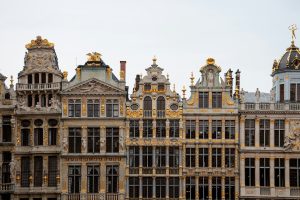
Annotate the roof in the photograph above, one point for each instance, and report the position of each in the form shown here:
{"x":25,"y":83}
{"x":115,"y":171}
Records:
{"x":250,"y":97}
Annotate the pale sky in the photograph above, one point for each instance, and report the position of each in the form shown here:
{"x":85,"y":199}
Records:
{"x":245,"y":35}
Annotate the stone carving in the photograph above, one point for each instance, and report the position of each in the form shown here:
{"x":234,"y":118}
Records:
{"x":210,"y":78}
{"x":292,"y":141}
{"x":12,"y":167}
{"x":121,"y":142}
{"x":83,"y":144}
{"x":22,"y":104}
{"x":65,"y":144}
{"x":55,"y":104}
{"x":102,"y":143}
{"x":257,"y":95}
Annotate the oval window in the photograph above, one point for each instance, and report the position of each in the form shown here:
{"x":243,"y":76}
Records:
{"x":52,"y":122}
{"x":38,"y":122}
{"x":134,"y":106}
{"x":25,"y":123}
{"x":174,"y":106}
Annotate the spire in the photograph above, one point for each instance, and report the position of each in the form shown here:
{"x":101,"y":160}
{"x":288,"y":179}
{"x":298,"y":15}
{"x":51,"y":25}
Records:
{"x":154,"y":61}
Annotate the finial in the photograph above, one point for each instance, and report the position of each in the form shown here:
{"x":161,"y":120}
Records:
{"x":94,"y":56}
{"x":183,"y":92}
{"x":192,"y":79}
{"x":174,"y":87}
{"x":65,"y":74}
{"x":293,"y":28}
{"x":167,"y":76}
{"x":210,"y":61}
{"x":154,"y":60}
{"x":11,"y":80}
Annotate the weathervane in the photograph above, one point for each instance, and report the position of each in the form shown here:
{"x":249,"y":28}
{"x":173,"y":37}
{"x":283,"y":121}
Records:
{"x":293,"y":28}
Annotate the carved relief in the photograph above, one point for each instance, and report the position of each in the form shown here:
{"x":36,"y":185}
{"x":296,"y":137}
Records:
{"x":65,"y":107}
{"x":292,"y":141}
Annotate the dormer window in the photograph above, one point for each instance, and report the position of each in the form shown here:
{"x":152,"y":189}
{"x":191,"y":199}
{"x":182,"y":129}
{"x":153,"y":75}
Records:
{"x":161,"y":87}
{"x":295,"y":92}
{"x":281,"y":93}
{"x":147,"y":87}
{"x":7,"y":95}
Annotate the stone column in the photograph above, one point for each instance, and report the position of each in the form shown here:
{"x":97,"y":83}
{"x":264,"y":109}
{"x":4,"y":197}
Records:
{"x":223,"y":129}
{"x":141,"y":188}
{"x":84,"y":139}
{"x":167,"y":187}
{"x":141,"y":161}
{"x":181,"y":125}
{"x":257,"y":181}
{"x":223,"y":187}
{"x":103,"y":178}
{"x":45,"y":135}
{"x":210,"y":156}
{"x":197,"y":128}
{"x":197,"y":155}
{"x":257,"y":133}
{"x":272,"y":133}
{"x":240,"y":133}
{"x":287,"y":172}
{"x":102,"y":139}
{"x":272,"y":174}
{"x":1,"y":130}
{"x":167,"y":128}
{"x":154,"y":188}
{"x":209,"y":129}
{"x":242,"y":171}
{"x":141,"y":128}
{"x":121,"y":139}
{"x":287,"y":127}
{"x":45,"y":171}
{"x":154,"y":128}
{"x":210,"y":187}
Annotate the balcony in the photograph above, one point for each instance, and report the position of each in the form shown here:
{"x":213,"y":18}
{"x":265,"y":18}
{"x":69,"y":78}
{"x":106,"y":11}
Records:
{"x":7,"y":187}
{"x":161,"y":114}
{"x":38,"y":86}
{"x":270,"y":106}
{"x":295,"y":191}
{"x":147,"y":113}
{"x":92,"y":196}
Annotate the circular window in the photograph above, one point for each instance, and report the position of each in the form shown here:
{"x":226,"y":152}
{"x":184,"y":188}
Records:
{"x":52,"y":122}
{"x":25,"y":123}
{"x":174,"y":106}
{"x":134,"y":106}
{"x":38,"y":122}
{"x":154,"y":78}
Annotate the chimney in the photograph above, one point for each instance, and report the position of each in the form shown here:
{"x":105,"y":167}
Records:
{"x":123,"y":70}
{"x":237,"y":84}
{"x":137,"y":82}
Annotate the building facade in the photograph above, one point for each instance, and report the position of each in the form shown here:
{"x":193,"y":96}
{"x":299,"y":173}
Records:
{"x":85,"y":139}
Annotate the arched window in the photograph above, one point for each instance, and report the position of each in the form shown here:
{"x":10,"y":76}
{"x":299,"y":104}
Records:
{"x":147,"y":107}
{"x":7,"y":95}
{"x":161,"y":106}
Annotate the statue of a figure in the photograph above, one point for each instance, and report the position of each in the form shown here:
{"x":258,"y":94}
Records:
{"x":65,"y":143}
{"x":121,"y":142}
{"x":210,"y":78}
{"x":12,"y":167}
{"x":102,"y":143}
{"x":83,"y":143}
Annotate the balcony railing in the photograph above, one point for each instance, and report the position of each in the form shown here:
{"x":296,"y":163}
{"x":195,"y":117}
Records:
{"x":173,"y":170}
{"x":147,"y":170}
{"x":38,"y":86}
{"x":295,"y":191}
{"x":148,"y":113}
{"x":161,"y":114}
{"x":7,"y":187}
{"x":271,"y":106}
{"x":161,"y":170}
{"x":265,"y":191}
{"x":134,"y":170}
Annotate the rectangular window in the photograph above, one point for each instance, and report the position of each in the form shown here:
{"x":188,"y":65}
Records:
{"x":216,"y":129}
{"x":160,"y":187}
{"x":173,"y":157}
{"x":229,"y":157}
{"x":25,"y":133}
{"x":147,"y":128}
{"x":174,"y":187}
{"x":134,"y":130}
{"x":74,"y":140}
{"x":93,"y":107}
{"x":52,"y":135}
{"x":190,"y":127}
{"x":74,"y":106}
{"x":190,"y":157}
{"x":203,"y":129}
{"x":279,"y":172}
{"x":147,"y":86}
{"x":279,"y":132}
{"x":264,"y":169}
{"x":190,"y":188}
{"x":229,"y":188}
{"x":160,"y":157}
{"x":134,"y":158}
{"x":147,"y":156}
{"x":230,"y":129}
{"x":147,"y":186}
{"x":216,"y":157}
{"x":52,"y":171}
{"x":264,"y":132}
{"x":203,"y":188}
{"x":6,"y":157}
{"x":112,"y":108}
{"x":161,"y":87}
{"x":249,"y":132}
{"x":293,"y":92}
{"x":112,"y":140}
{"x":250,"y":171}
{"x":174,"y":128}
{"x":295,"y":172}
{"x":25,"y":171}
{"x":217,"y":99}
{"x":281,"y":93}
{"x":203,"y":157}
{"x":203,"y":99}
{"x":6,"y":129}
{"x":134,"y":187}
{"x":38,"y":136}
{"x":216,"y":188}
{"x":161,"y":128}
{"x":38,"y":171}
{"x":74,"y":179}
{"x":93,"y":140}
{"x":93,"y":172}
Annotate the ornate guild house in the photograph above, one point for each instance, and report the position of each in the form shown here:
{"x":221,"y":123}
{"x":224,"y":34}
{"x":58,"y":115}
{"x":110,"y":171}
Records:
{"x":89,"y":138}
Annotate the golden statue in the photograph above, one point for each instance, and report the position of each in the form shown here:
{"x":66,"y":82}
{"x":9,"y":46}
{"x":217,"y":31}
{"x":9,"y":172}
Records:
{"x":293,"y":28}
{"x":94,"y":56}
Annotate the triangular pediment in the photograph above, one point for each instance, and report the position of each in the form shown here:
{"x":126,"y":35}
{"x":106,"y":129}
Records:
{"x":93,"y":87}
